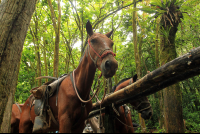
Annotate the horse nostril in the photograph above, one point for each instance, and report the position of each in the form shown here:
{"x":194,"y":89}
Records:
{"x":150,"y":113}
{"x":107,"y":65}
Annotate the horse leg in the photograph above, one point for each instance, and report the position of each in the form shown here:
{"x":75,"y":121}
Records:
{"x":25,"y":125}
{"x":79,"y":128}
{"x":129,"y":123}
{"x":122,"y":118}
{"x":65,"y":123}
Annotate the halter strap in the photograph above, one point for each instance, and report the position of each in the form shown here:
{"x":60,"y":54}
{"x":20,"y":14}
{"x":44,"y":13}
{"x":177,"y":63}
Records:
{"x":100,"y":55}
{"x":18,"y":107}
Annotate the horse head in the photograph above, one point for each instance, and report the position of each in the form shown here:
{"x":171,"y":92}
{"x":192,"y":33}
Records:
{"x":100,"y":51}
{"x":142,"y":105}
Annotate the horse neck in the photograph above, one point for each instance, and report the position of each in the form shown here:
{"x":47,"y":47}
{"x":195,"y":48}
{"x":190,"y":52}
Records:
{"x":84,"y":76}
{"x":122,"y":85}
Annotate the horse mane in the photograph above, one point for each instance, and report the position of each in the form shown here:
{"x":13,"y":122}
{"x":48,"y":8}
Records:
{"x":114,"y":87}
{"x":82,"y":56}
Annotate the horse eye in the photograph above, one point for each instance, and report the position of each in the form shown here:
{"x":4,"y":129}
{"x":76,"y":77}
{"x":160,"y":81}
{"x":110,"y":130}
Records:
{"x":93,"y":40}
{"x":112,"y":44}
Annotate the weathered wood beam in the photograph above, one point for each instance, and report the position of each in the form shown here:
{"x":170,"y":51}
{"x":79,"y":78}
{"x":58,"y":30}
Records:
{"x":95,"y":112}
{"x":157,"y":87}
{"x":179,"y":69}
{"x":160,"y":86}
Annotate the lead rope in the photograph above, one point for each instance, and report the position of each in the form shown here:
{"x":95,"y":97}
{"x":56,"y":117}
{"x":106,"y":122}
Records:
{"x":78,"y":94}
{"x":125,"y":124}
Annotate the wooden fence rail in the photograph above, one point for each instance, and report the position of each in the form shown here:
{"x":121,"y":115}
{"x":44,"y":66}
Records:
{"x":177,"y":70}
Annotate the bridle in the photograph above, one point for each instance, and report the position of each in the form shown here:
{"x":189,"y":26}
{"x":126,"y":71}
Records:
{"x":100,"y":55}
{"x":136,"y":108}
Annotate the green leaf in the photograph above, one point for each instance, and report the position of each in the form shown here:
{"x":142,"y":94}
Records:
{"x":147,"y":10}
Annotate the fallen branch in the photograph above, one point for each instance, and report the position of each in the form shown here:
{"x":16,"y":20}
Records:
{"x":179,"y":69}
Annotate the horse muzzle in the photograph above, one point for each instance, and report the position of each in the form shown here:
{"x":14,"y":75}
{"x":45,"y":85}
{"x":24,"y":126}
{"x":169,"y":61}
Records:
{"x":109,"y":66}
{"x":146,"y":114}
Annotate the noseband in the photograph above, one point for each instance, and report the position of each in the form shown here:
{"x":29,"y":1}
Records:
{"x":100,"y":55}
{"x":136,"y":108}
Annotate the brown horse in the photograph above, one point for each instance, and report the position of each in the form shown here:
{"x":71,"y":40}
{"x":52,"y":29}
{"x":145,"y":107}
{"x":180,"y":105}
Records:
{"x":123,"y":122}
{"x":142,"y":105}
{"x":15,"y":117}
{"x":69,"y":113}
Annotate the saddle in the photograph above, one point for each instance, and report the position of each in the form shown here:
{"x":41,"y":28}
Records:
{"x":40,"y":102}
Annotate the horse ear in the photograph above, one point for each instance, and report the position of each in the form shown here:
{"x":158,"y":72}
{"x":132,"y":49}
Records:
{"x":109,"y":34}
{"x":89,"y":28}
{"x":135,"y":77}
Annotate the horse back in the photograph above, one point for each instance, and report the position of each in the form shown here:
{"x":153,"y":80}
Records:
{"x":15,"y":118}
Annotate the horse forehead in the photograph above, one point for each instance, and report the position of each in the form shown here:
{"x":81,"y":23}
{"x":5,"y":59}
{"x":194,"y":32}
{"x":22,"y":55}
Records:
{"x":103,"y":38}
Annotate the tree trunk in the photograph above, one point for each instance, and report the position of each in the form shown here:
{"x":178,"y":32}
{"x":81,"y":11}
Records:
{"x":37,"y":53}
{"x":45,"y":60}
{"x":160,"y":93}
{"x":57,"y":39}
{"x":34,"y":33}
{"x":15,"y":16}
{"x":137,"y":55}
{"x":172,"y":94}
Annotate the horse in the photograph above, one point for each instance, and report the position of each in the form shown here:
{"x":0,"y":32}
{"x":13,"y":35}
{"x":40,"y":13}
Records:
{"x":71,"y":110}
{"x":123,"y":122}
{"x":142,"y":105}
{"x":15,"y":117}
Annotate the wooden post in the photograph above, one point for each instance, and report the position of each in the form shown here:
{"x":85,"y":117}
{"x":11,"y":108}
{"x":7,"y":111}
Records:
{"x":109,"y":120}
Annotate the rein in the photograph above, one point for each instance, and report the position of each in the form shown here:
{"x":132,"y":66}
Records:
{"x":83,"y":101}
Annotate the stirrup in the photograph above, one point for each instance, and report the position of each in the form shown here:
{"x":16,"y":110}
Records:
{"x":38,"y":124}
